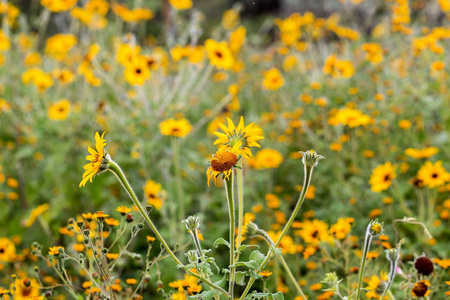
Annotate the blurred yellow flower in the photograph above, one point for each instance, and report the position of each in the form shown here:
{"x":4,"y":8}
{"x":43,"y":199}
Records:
{"x":58,"y":5}
{"x":181,"y":4}
{"x":7,"y":250}
{"x":59,"y":110}
{"x":219,"y":54}
{"x":178,"y":128}
{"x":433,"y":175}
{"x":273,"y":80}
{"x":268,"y":159}
{"x":382,"y":177}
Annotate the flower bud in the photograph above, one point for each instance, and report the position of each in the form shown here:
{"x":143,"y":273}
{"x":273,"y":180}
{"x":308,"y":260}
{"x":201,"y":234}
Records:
{"x":310,"y":158}
{"x":192,"y":223}
{"x":375,"y":228}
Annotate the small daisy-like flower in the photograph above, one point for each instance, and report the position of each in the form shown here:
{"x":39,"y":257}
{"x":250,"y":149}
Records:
{"x":382,"y":177}
{"x":241,"y":136}
{"x":421,"y":289}
{"x":100,"y":215}
{"x":123,"y":210}
{"x":433,"y":175}
{"x":55,"y":250}
{"x":99,"y":159}
{"x":265,"y":273}
{"x":223,"y":162}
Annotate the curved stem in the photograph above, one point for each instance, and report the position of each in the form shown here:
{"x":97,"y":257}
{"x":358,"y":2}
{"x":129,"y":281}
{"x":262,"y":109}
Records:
{"x":307,"y":181}
{"x":229,"y":191}
{"x":367,"y":241}
{"x":115,"y":168}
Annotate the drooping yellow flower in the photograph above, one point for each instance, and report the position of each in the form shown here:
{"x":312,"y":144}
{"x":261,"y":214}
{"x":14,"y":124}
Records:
{"x":222,"y":163}
{"x":433,"y":175}
{"x":273,"y":80}
{"x":382,"y":177}
{"x":219,"y":54}
{"x":97,"y":158}
{"x":244,"y":136}
{"x":59,"y":110}
{"x":7,"y":250}
{"x":39,"y":210}
{"x":178,"y":128}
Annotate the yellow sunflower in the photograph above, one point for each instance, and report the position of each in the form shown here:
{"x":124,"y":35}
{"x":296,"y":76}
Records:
{"x":98,"y":159}
{"x":382,"y":177}
{"x":223,"y":162}
{"x":433,"y":175}
{"x":219,"y":54}
{"x":59,"y":110}
{"x":7,"y":250}
{"x":241,"y":136}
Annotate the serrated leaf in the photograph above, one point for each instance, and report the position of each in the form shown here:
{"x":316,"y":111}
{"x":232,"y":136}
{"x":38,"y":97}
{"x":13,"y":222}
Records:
{"x":221,"y":241}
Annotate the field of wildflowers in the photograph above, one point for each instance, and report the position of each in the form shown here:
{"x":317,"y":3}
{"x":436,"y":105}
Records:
{"x":151,"y":150}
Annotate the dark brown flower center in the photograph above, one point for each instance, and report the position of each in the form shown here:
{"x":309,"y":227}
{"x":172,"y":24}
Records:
{"x":223,"y":161}
{"x":218,"y":54}
{"x":420,"y":289}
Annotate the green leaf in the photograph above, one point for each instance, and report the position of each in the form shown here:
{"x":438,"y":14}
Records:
{"x":221,"y":241}
{"x":244,"y":247}
{"x":240,"y":278}
{"x":252,"y":264}
{"x":208,"y":295}
{"x":257,"y":256}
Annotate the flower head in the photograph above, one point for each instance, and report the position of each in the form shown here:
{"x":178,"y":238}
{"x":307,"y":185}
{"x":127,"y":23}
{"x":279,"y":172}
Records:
{"x":421,"y":289}
{"x":423,"y":265}
{"x":179,"y":128}
{"x":433,"y":175}
{"x":223,"y":162}
{"x":243,"y":137}
{"x":375,"y":228}
{"x":99,"y":159}
{"x":382,"y":177}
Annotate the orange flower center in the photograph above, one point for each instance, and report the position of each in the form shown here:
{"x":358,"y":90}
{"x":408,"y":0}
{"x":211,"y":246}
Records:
{"x":223,"y":161}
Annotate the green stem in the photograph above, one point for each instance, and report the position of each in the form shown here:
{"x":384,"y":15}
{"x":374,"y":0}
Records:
{"x":231,"y":210}
{"x":291,"y":276}
{"x":179,"y":187}
{"x":115,"y":168}
{"x":307,"y":181}
{"x":400,"y":197}
{"x":367,"y":241}
{"x":240,"y":184}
